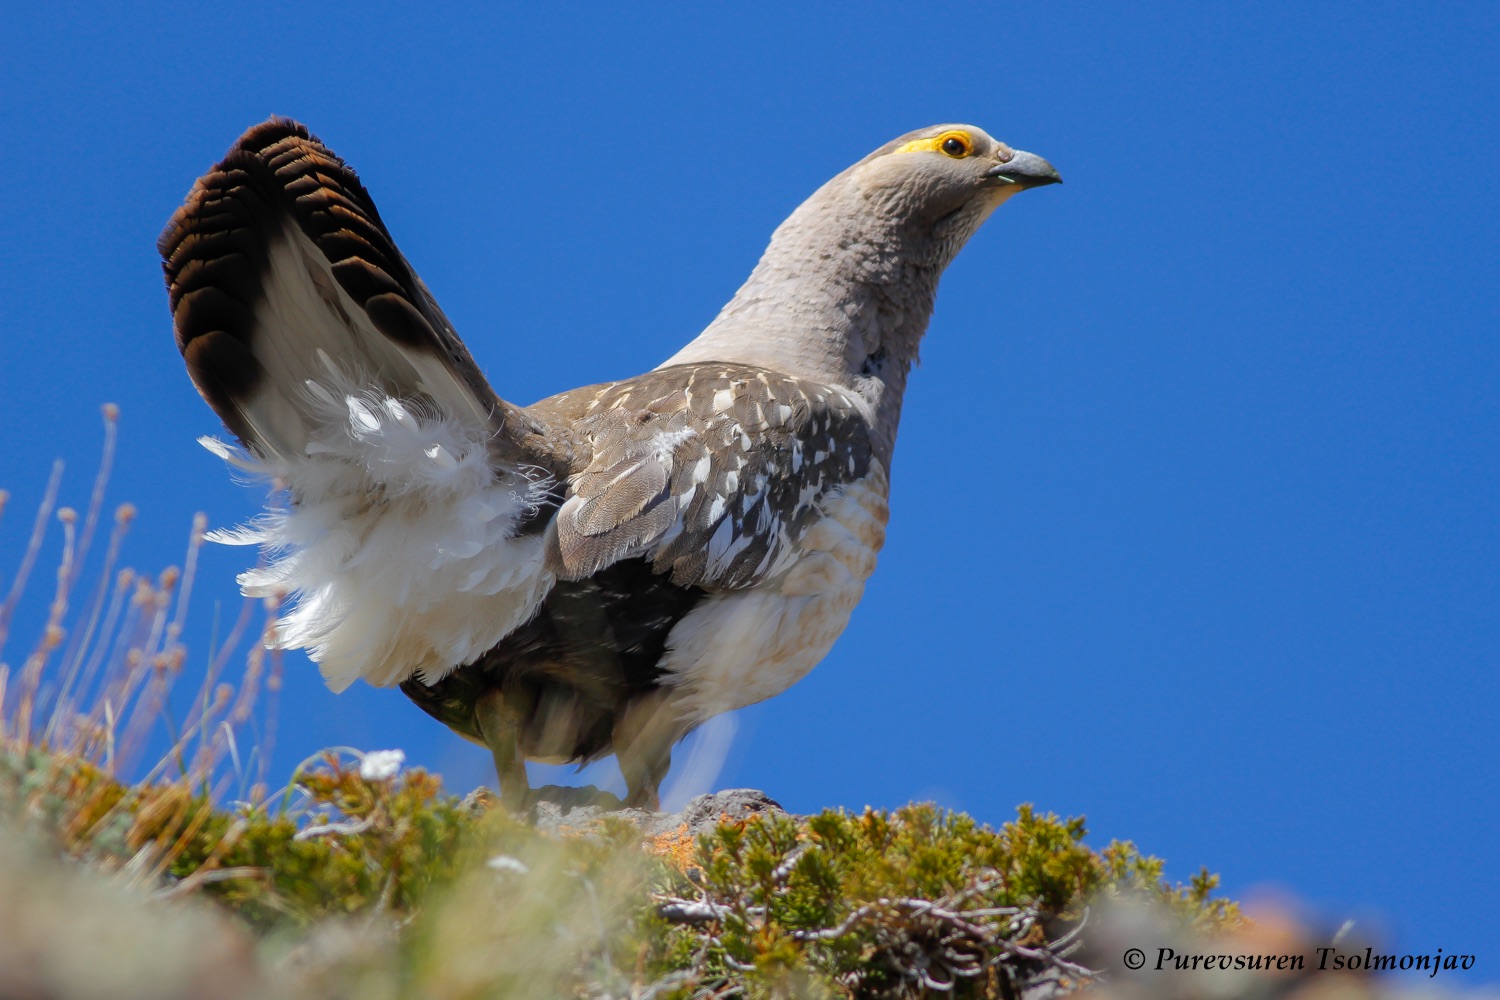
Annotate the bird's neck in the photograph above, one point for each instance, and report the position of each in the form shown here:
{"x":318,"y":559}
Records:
{"x":842,"y":295}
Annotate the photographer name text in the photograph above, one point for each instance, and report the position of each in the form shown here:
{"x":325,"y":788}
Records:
{"x":1321,"y":960}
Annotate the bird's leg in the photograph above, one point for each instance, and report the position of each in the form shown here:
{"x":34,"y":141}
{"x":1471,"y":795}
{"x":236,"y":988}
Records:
{"x":501,"y":720}
{"x":643,"y":738}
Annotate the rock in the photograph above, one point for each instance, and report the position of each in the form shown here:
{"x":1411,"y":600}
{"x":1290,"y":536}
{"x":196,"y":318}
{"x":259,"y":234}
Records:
{"x":558,"y":807}
{"x":705,"y":811}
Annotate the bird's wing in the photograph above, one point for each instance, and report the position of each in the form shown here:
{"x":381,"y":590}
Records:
{"x":712,"y":471}
{"x":279,"y":272}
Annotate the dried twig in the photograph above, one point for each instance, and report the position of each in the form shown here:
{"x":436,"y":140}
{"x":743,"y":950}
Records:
{"x":347,"y":828}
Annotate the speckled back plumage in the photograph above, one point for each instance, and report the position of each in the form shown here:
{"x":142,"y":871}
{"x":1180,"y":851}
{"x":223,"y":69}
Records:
{"x":711,"y":471}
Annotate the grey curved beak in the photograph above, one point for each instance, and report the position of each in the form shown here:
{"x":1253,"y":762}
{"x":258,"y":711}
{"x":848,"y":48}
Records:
{"x":1025,"y":169}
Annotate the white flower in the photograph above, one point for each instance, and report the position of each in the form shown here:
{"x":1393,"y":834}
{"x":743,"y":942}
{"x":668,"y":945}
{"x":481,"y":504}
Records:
{"x":378,"y":765}
{"x":506,"y":863}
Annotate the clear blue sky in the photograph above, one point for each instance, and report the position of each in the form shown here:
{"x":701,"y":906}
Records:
{"x":1195,"y":504}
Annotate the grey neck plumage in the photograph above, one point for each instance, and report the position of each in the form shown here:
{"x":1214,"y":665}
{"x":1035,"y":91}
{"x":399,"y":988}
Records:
{"x":842,"y":295}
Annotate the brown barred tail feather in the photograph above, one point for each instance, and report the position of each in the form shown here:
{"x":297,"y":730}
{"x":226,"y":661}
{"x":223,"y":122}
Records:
{"x":280,"y":271}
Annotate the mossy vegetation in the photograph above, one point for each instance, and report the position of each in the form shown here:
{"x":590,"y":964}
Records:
{"x":475,"y":902}
{"x":365,"y":880}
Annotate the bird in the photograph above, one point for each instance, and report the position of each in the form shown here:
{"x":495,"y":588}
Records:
{"x":606,"y":569}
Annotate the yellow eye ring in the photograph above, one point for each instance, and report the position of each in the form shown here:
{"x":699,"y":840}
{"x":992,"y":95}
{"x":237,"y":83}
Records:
{"x":955,"y":144}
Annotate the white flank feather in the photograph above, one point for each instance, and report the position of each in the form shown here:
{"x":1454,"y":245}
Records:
{"x":396,"y":542}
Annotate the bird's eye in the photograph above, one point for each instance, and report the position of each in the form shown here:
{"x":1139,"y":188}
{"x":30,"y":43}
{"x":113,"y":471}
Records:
{"x":956,"y":146}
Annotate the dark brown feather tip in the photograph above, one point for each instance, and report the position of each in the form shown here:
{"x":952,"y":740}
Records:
{"x":224,"y":370}
{"x":216,"y":249}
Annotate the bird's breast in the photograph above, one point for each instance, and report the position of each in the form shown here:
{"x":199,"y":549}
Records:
{"x":743,"y":646}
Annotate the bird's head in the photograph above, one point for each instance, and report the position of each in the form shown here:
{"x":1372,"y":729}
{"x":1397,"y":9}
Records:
{"x":846,"y":287}
{"x":946,"y":179}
